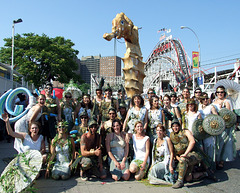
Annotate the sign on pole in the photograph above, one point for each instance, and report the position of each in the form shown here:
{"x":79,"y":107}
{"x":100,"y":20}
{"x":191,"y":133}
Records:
{"x":195,"y":60}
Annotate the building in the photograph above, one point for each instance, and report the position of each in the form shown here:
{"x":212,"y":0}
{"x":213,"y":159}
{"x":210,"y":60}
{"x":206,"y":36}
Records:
{"x":89,"y":65}
{"x":110,"y":66}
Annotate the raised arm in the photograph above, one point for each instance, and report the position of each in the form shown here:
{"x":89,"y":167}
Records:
{"x":37,"y":110}
{"x":9,"y":128}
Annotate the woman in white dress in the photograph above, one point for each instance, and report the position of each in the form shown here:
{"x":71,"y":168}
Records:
{"x":138,"y":112}
{"x":225,"y":142}
{"x":141,"y":146}
{"x":33,"y":114}
{"x":31,"y":140}
{"x":191,"y":114}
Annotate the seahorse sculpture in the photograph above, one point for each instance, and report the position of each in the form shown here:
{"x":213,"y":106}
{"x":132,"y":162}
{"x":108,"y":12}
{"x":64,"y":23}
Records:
{"x":122,"y":27}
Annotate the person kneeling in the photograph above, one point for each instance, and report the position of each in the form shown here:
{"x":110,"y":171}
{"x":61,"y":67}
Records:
{"x":91,"y":153}
{"x":117,"y":147}
{"x":162,"y":154}
{"x":141,"y":146}
{"x":63,"y":150}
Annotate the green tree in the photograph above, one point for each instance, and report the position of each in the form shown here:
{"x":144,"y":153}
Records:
{"x":85,"y":87}
{"x":40,"y":58}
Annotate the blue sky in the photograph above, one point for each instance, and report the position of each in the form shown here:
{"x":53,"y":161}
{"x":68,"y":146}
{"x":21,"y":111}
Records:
{"x":216,"y":22}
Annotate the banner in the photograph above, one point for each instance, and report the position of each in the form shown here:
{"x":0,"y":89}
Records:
{"x":195,"y":59}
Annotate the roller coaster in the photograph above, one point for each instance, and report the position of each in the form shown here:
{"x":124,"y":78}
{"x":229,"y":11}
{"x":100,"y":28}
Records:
{"x":167,"y":66}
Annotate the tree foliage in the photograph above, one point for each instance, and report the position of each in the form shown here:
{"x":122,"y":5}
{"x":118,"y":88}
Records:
{"x":40,"y":58}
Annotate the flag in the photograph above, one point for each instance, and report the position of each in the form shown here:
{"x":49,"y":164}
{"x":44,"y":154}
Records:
{"x":162,"y":37}
{"x":195,"y":59}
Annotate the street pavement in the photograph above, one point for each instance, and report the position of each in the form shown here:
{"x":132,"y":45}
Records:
{"x":228,"y":180}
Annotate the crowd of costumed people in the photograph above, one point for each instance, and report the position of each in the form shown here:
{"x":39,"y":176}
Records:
{"x":170,"y":139}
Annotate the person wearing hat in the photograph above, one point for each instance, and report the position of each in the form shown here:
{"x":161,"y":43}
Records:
{"x":90,"y":145}
{"x":106,"y":103}
{"x":183,"y":144}
{"x":81,"y":129}
{"x":191,"y":114}
{"x":99,"y":96}
{"x":106,"y":126}
{"x":122,"y":112}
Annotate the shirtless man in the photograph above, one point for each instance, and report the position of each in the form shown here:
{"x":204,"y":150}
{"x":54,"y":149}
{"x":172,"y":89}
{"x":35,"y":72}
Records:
{"x":91,"y":152}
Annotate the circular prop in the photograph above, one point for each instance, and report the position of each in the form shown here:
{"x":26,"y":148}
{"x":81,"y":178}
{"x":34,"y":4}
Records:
{"x":228,"y":116}
{"x":198,"y":131}
{"x":213,"y":124}
{"x":21,"y":171}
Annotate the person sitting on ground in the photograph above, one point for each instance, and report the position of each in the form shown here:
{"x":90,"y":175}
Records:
{"x":162,"y":158}
{"x":141,"y":146}
{"x":91,"y":153}
{"x":63,"y":151}
{"x":117,"y":148}
{"x":31,"y":140}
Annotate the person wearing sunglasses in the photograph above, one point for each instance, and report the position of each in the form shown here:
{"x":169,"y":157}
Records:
{"x":209,"y":146}
{"x":197,"y":94}
{"x":226,"y":144}
{"x":67,"y":108}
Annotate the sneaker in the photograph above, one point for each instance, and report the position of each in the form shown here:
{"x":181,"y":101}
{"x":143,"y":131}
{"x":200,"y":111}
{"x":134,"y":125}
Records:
{"x":83,"y":175}
{"x":178,"y":184}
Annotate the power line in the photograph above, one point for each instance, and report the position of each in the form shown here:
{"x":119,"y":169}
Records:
{"x":220,"y":57}
{"x":219,"y":62}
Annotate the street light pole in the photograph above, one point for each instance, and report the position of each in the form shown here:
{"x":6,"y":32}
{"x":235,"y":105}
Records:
{"x":13,"y":30}
{"x":185,"y":27}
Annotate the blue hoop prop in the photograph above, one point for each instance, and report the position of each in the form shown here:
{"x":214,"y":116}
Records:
{"x":6,"y":102}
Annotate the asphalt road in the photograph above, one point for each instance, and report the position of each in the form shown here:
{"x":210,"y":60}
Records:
{"x":228,"y":180}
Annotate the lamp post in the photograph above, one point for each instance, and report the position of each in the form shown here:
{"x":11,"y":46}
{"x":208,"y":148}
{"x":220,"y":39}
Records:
{"x":185,"y":27}
{"x":12,"y":65}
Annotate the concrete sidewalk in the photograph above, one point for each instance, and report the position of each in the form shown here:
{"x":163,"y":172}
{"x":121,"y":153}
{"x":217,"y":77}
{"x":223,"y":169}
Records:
{"x":228,"y":180}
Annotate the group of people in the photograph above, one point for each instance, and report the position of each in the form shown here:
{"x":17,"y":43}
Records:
{"x":151,"y":137}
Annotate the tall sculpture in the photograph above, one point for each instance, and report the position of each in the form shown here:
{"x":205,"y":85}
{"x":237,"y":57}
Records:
{"x":122,"y":27}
